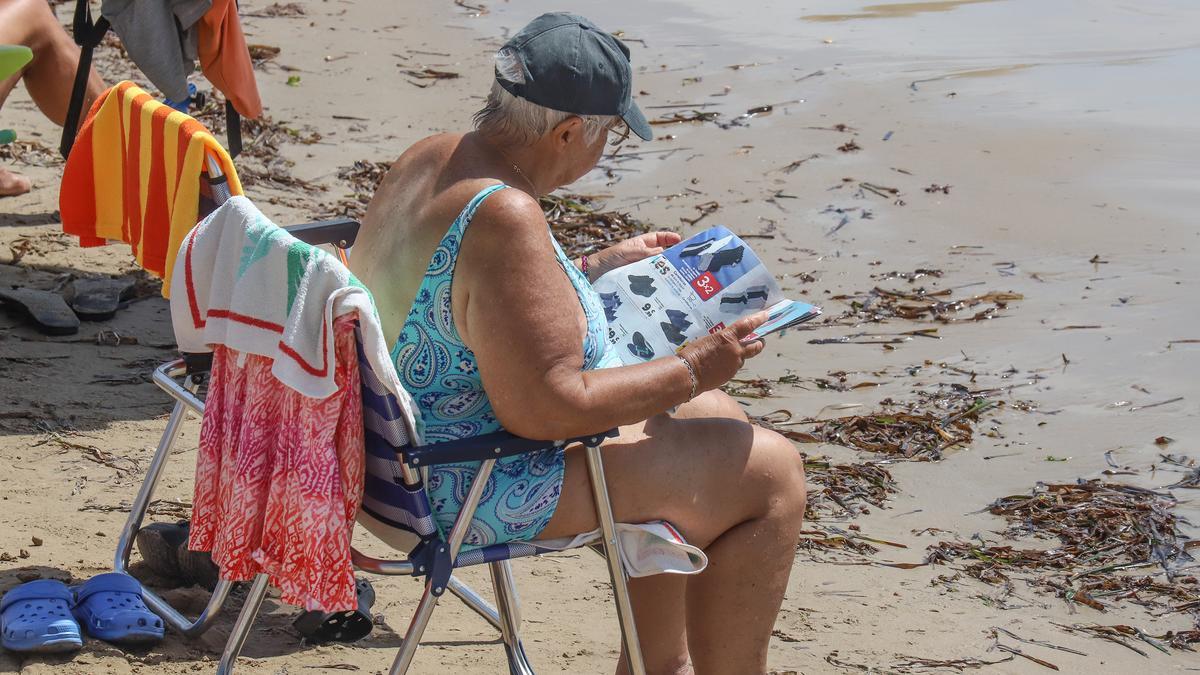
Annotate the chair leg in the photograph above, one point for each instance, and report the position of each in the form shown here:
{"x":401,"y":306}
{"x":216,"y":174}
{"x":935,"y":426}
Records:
{"x":474,"y":601}
{"x":508,"y":605}
{"x":612,"y":547}
{"x":142,"y":502}
{"x":429,"y":600}
{"x":137,"y":513}
{"x":416,"y":629}
{"x":241,"y":627}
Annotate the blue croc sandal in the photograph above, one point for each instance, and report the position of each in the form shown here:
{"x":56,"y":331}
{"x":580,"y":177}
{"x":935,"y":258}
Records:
{"x":110,"y":608}
{"x":36,"y":618}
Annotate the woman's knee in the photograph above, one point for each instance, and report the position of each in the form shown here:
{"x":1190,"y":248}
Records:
{"x":33,"y":20}
{"x":781,"y":472}
{"x":711,"y":404}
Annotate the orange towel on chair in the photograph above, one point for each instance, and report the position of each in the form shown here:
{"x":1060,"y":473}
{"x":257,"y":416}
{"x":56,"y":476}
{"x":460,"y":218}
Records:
{"x":225,"y":59}
{"x":134,"y":175}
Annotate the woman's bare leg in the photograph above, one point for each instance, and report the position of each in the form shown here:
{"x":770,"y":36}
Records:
{"x":733,"y":489}
{"x":51,"y":74}
{"x":11,"y":184}
{"x":657,"y":610}
{"x":48,"y":77}
{"x":732,"y":606}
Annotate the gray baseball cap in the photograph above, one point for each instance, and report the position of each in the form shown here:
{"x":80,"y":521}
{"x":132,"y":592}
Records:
{"x":568,"y":64}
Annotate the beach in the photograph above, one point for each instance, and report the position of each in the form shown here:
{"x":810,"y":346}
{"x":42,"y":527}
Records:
{"x":1036,"y":162}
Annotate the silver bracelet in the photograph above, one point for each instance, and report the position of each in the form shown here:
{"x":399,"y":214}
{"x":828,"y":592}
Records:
{"x":692,"y":374}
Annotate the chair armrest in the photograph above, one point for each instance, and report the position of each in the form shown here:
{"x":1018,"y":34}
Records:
{"x":340,"y":232}
{"x":495,"y":445}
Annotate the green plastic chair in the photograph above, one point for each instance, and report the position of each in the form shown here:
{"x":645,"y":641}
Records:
{"x":12,"y":59}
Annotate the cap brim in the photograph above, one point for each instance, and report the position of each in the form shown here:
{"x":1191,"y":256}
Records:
{"x":637,"y":122}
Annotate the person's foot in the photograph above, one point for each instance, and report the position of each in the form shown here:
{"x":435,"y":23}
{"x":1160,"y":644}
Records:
{"x":13,"y":184}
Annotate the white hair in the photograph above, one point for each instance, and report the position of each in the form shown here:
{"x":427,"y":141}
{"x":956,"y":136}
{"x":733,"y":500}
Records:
{"x":517,"y":120}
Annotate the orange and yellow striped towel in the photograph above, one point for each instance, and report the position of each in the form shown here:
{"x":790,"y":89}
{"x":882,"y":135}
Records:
{"x":135,"y":174}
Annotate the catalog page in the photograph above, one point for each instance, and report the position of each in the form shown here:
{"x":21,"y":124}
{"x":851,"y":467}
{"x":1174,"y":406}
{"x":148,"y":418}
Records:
{"x":697,"y":287}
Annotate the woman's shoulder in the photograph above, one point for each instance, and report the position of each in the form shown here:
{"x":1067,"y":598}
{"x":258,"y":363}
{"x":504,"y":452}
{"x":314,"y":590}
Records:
{"x":435,"y":149}
{"x":507,"y":218}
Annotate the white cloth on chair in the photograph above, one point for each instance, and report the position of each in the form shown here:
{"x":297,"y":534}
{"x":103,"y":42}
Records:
{"x":249,"y":285}
{"x":646,"y":548}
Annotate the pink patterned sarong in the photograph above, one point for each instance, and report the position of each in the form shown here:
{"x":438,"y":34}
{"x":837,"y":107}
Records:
{"x":279,"y":477}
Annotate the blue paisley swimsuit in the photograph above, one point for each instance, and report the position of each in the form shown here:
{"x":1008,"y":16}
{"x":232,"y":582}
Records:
{"x":440,"y":372}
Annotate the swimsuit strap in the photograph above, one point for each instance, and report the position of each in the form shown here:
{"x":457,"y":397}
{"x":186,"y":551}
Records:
{"x":468,"y":212}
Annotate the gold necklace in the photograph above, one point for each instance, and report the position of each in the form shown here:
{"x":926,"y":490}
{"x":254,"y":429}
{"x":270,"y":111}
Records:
{"x":519,"y":172}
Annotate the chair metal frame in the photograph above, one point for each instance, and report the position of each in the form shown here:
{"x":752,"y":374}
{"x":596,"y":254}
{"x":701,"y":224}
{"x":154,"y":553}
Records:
{"x":181,"y":379}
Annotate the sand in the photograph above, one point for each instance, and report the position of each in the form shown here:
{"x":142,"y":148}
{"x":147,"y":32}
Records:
{"x":1070,"y":184}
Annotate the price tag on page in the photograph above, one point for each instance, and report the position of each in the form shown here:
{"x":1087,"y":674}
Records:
{"x":706,"y":285}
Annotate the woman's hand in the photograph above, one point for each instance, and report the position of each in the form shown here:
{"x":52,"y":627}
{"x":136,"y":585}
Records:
{"x":629,"y":251}
{"x":718,"y":357}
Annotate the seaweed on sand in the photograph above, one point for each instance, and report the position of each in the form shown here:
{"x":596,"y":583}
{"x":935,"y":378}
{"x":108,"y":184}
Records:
{"x":758,"y":387}
{"x":690,"y":116}
{"x":844,"y":488}
{"x":364,"y":176}
{"x":576,"y":221}
{"x":260,"y":162}
{"x":919,"y":431}
{"x":1104,"y":531}
{"x":30,"y":153}
{"x":580,"y":227}
{"x":1100,"y":524}
{"x":1119,"y":634}
{"x":880,"y":304}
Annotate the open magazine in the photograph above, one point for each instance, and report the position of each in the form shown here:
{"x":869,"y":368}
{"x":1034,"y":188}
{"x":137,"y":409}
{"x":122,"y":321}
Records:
{"x":655,"y":306}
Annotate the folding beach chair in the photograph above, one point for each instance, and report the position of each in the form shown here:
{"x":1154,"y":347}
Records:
{"x":88,"y":33}
{"x":395,"y":506}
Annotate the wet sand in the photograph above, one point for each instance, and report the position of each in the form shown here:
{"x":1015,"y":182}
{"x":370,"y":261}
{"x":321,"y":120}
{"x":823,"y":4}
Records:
{"x":1067,"y":138}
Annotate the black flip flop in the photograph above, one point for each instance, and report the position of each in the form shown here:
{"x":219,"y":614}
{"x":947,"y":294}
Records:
{"x":317,"y":627}
{"x":99,"y":299}
{"x":48,"y":310}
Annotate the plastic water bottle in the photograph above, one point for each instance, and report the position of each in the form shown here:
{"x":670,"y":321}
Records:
{"x":182,"y":106}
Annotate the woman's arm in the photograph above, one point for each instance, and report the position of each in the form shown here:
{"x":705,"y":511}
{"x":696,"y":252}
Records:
{"x":519,"y":314}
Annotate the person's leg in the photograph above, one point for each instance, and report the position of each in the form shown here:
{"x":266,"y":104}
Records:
{"x":746,"y":577}
{"x":732,"y":489}
{"x":51,"y":74}
{"x":13,"y":184}
{"x":658,"y":603}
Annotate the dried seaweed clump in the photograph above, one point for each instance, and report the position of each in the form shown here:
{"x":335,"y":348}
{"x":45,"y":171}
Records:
{"x":1103,"y":530}
{"x":364,"y":177}
{"x":919,"y":431}
{"x":30,"y":153}
{"x":581,"y":228}
{"x":1132,"y":523}
{"x":919,"y":304}
{"x":842,"y":489}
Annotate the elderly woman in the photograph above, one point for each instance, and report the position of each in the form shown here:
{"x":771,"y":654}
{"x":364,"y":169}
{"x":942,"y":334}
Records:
{"x":496,"y":328}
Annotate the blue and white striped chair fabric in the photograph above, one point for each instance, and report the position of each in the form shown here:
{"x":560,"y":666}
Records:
{"x":397,"y":514}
